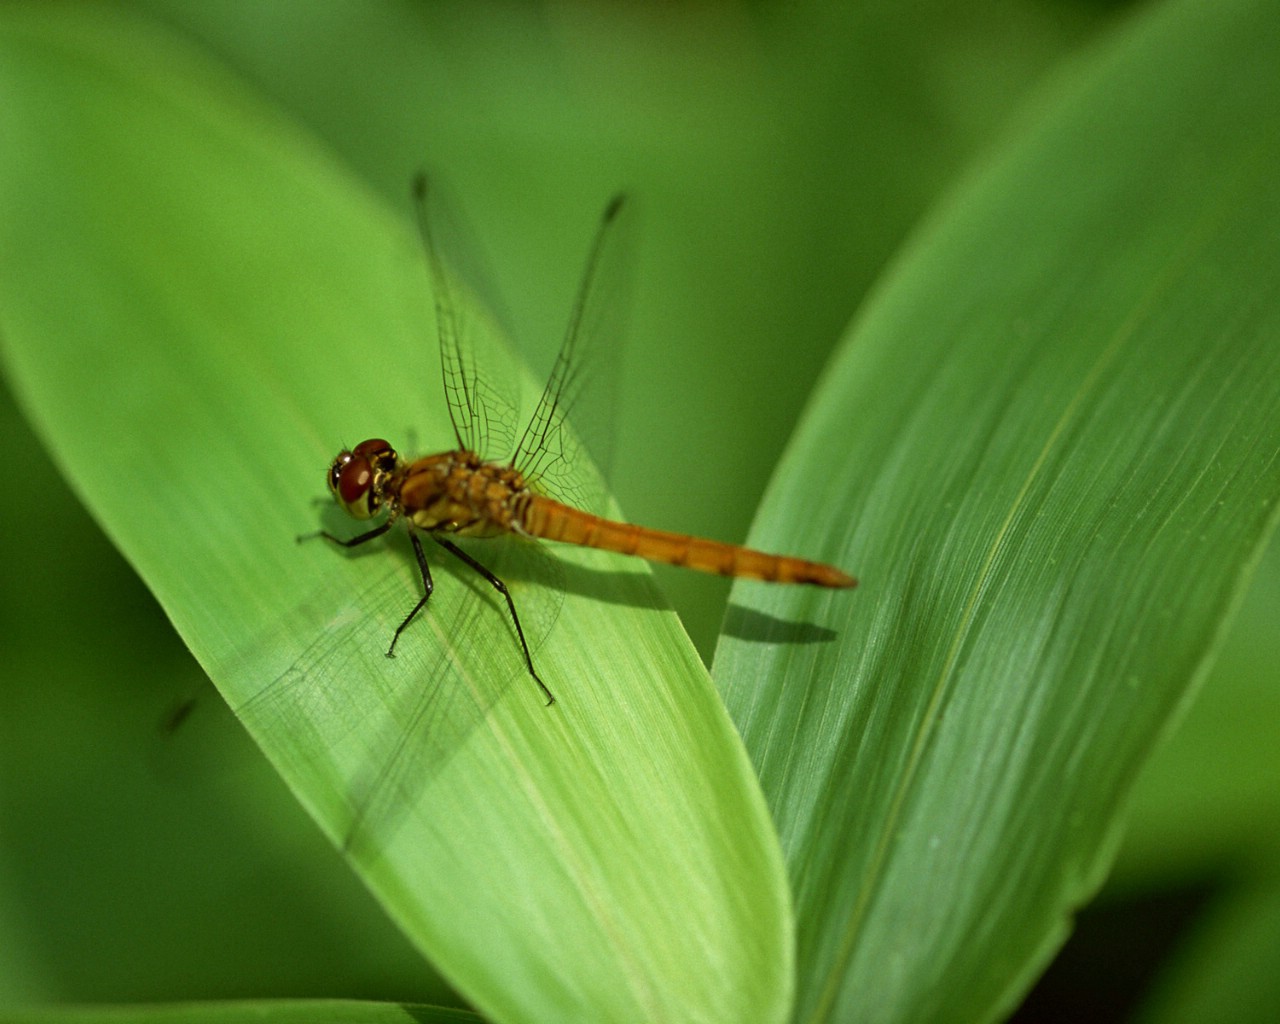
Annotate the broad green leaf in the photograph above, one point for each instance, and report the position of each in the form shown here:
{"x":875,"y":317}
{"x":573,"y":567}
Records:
{"x":1052,"y":444}
{"x":202,"y":307}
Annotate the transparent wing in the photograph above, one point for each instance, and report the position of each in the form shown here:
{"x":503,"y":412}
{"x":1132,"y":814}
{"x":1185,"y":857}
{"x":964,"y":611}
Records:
{"x":482,"y":406}
{"x":584,"y":374}
{"x":386,"y":753}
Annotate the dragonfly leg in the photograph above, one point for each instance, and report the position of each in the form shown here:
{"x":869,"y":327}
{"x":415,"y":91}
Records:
{"x":501,"y":588}
{"x":427,"y":587}
{"x":377,"y":531}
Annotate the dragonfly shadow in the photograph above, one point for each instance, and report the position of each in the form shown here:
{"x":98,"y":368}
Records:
{"x":610,"y":586}
{"x":754,"y":626}
{"x":333,"y":520}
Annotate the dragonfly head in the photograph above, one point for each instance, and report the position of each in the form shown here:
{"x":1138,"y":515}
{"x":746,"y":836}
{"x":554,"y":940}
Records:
{"x":358,"y":478}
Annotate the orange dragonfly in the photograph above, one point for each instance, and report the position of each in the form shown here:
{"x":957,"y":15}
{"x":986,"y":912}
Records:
{"x":462,"y":493}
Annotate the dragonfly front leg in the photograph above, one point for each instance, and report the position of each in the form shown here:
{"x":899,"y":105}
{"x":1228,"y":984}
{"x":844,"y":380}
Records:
{"x":501,"y":588}
{"x":427,"y":587}
{"x":377,"y":531}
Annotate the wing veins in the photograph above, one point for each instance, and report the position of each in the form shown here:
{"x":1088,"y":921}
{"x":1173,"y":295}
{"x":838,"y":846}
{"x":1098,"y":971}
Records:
{"x":459,"y":384}
{"x":546,"y":424}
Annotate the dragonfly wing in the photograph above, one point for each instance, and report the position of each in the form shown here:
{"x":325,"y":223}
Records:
{"x":583,"y":378}
{"x":380,"y":754}
{"x":453,"y":664}
{"x":484,"y":410}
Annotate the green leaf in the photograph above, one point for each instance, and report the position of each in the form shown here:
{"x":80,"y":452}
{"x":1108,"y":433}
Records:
{"x":299,"y":1011}
{"x":205,"y":307}
{"x":1052,"y":446}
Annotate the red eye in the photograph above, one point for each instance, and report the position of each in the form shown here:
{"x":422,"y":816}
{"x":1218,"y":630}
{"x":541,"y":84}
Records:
{"x":353,"y":481}
{"x":371,"y":448}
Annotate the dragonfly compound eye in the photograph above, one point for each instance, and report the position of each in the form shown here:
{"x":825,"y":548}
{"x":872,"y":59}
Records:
{"x":352,"y":485}
{"x":378,"y":453}
{"x":335,"y":472}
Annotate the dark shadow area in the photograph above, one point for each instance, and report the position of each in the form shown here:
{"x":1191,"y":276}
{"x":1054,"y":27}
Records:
{"x":436,"y":1014}
{"x":1114,"y":954}
{"x":743,"y":623}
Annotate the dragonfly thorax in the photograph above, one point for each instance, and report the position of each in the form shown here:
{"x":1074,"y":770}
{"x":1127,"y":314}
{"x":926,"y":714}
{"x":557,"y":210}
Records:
{"x":458,"y":492}
{"x":358,"y":478}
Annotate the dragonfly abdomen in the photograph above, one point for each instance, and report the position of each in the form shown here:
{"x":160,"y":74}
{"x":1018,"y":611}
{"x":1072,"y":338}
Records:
{"x":550,"y":520}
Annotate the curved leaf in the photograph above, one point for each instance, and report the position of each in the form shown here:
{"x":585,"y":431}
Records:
{"x":204,"y":307}
{"x":1052,"y":449}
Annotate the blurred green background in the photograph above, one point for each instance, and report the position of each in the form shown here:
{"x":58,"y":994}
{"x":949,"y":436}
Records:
{"x":781,"y":155}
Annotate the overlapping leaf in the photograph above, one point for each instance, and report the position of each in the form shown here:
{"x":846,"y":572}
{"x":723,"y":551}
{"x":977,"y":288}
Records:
{"x":1053,"y":446}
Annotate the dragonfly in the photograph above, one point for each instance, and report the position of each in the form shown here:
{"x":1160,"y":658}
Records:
{"x":465,"y":492}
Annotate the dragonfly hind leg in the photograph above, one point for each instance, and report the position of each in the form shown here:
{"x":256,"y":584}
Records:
{"x":501,"y":588}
